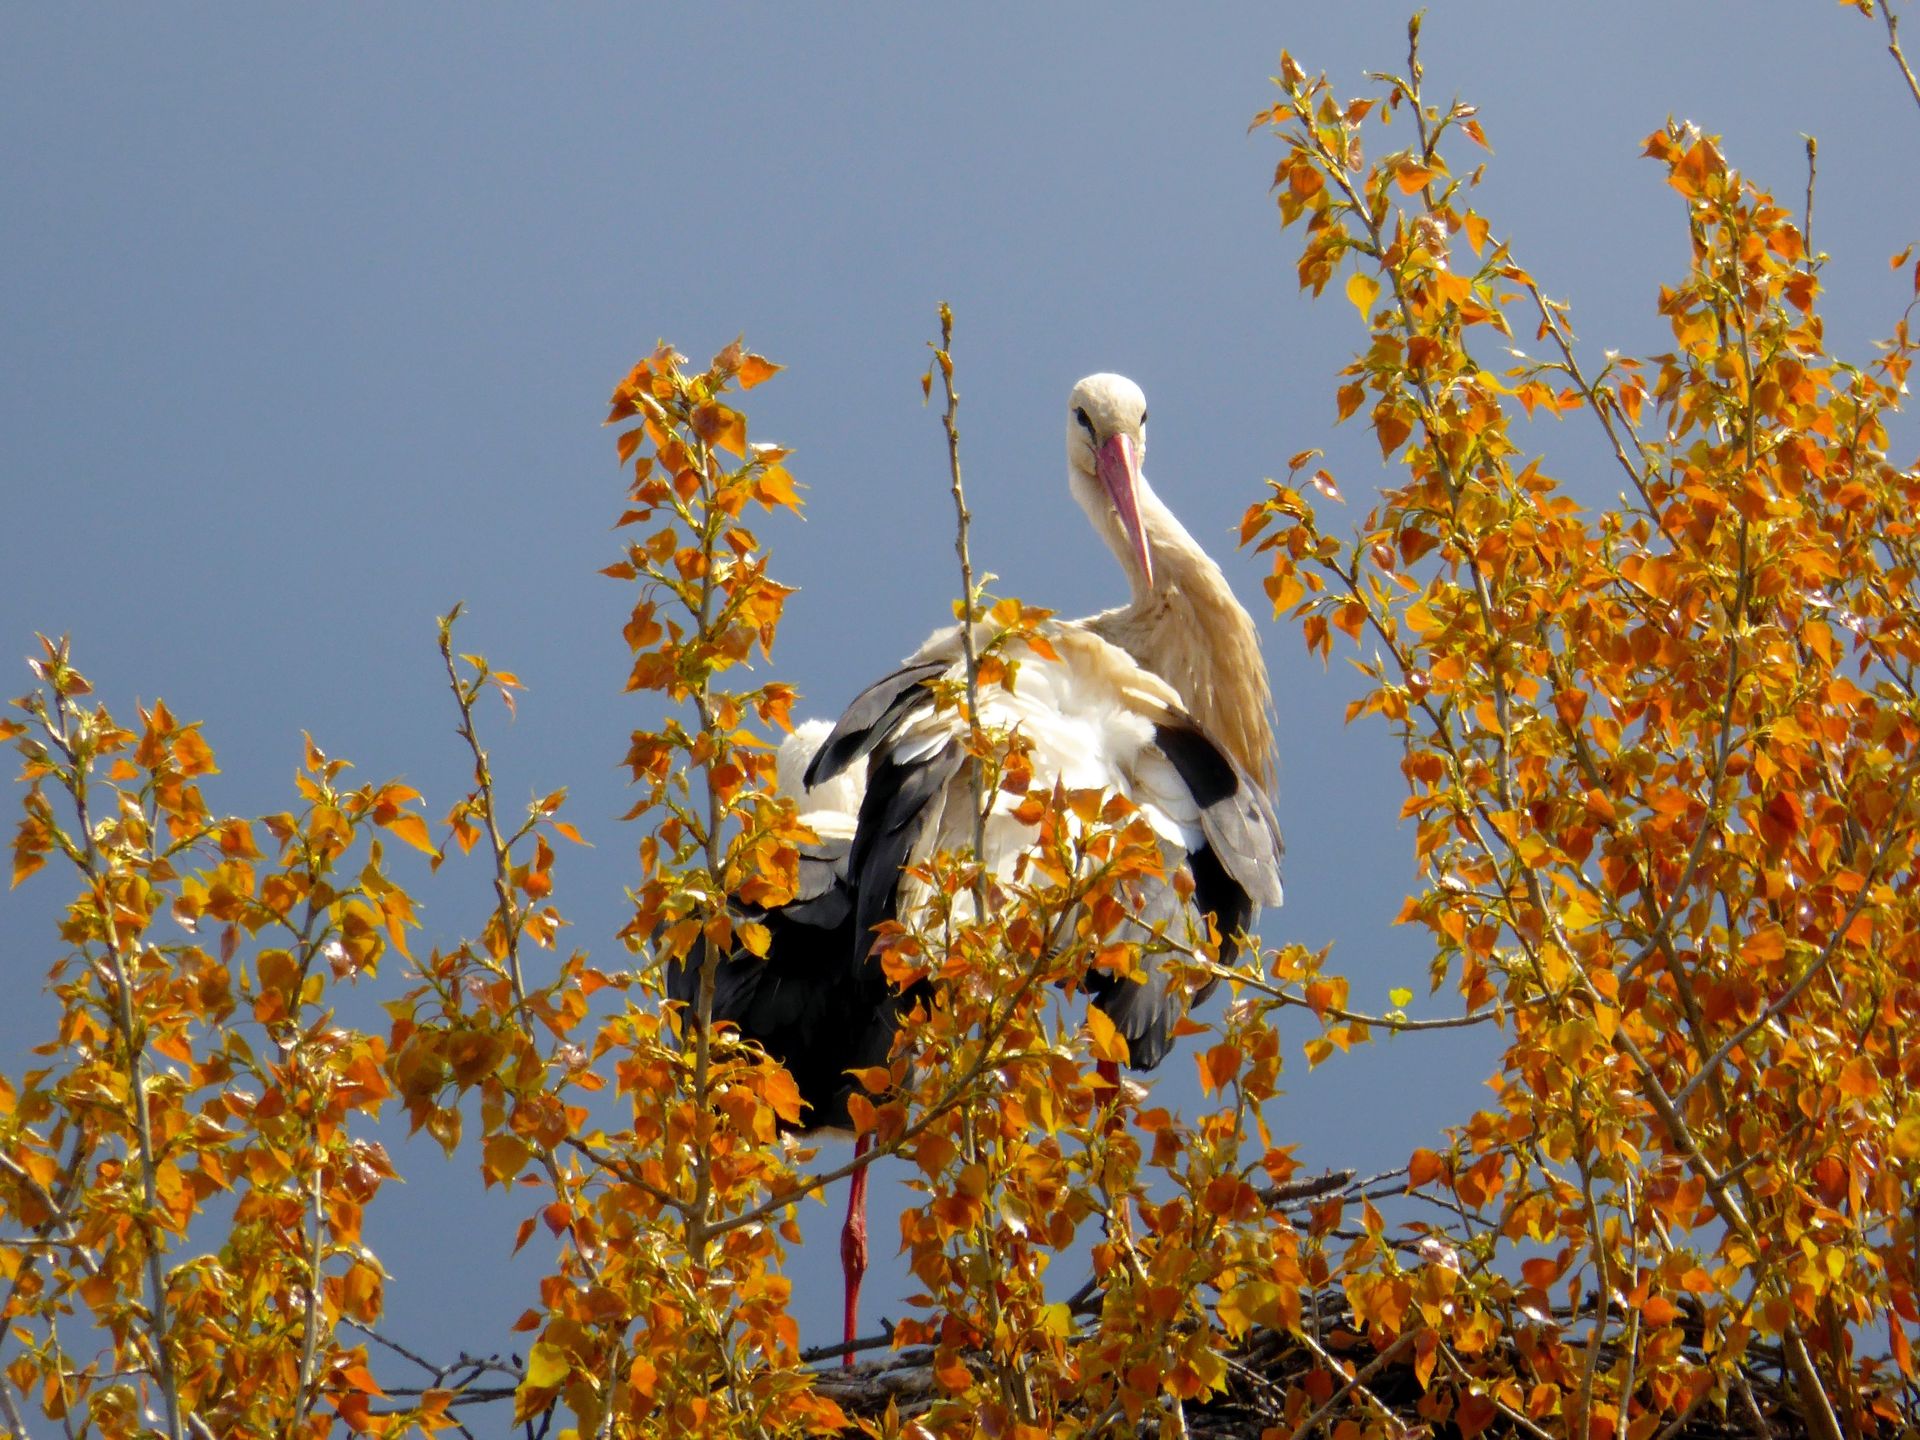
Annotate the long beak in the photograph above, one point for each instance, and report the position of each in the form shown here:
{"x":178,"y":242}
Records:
{"x":1119,"y":470}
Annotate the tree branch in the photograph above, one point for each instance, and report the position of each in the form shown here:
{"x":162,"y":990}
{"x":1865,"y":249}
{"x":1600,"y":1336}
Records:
{"x":1893,"y":49}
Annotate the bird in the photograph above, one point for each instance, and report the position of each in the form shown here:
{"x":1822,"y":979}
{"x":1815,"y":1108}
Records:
{"x":1164,"y":699}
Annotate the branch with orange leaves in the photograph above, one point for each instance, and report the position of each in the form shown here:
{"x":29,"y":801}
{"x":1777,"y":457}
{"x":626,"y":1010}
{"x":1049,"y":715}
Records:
{"x":1395,"y":1024}
{"x":507,"y":914}
{"x":69,"y":732}
{"x":957,"y":1090}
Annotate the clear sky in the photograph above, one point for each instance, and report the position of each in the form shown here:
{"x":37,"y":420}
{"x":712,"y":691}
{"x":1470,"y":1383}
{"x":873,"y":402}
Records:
{"x":308,"y":319}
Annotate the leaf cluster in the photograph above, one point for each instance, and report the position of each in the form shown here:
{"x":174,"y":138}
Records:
{"x":1661,"y":759}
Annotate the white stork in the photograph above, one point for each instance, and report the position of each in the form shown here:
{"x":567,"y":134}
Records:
{"x":1163,"y":699}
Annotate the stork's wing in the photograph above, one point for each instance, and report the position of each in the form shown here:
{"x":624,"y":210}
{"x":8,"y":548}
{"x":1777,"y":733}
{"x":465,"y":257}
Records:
{"x":1231,"y":846}
{"x":1235,"y":814}
{"x":801,"y":1003}
{"x":874,"y":714}
{"x":821,"y":909}
{"x":1094,"y":717}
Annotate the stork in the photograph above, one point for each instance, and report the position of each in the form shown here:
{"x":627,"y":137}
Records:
{"x":1163,"y":699}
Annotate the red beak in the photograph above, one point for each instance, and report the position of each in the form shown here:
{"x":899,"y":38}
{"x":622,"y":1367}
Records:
{"x":1119,"y":470}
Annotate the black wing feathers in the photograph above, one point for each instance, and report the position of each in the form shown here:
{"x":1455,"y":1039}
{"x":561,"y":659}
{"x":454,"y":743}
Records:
{"x":872,"y":716}
{"x":1234,"y":812}
{"x":800,"y":1003}
{"x":1235,"y":872}
{"x":819,"y":1004}
{"x":892,"y":814}
{"x":814,"y":1002}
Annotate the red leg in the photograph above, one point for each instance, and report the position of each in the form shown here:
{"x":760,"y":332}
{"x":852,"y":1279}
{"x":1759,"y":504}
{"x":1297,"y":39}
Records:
{"x":853,"y":1242}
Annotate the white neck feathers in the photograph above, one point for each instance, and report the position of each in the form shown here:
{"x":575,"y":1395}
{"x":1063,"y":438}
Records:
{"x":1188,"y":629}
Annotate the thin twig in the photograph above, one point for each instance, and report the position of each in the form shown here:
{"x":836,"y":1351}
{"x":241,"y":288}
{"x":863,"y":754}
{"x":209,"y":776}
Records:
{"x":1893,"y":48}
{"x":394,"y":1345}
{"x":1681,"y":1421}
{"x":310,"y":1339}
{"x":1744,"y":1389}
{"x":1563,"y":341}
{"x":16,"y":1426}
{"x":847,"y":1347}
{"x":160,"y":1322}
{"x":1394,"y":1024}
{"x":627,"y":1176}
{"x":943,"y":357}
{"x":1514,"y":1417}
{"x":1311,"y":1188}
{"x":1810,"y":974}
{"x":512,"y":925}
{"x":1806,"y":228}
{"x":1356,"y":1385}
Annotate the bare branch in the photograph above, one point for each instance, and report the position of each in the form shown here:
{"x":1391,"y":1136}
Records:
{"x":943,"y":358}
{"x":1356,"y":1385}
{"x":1893,"y":49}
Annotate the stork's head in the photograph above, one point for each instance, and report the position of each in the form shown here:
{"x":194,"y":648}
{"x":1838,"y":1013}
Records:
{"x":1106,"y":445}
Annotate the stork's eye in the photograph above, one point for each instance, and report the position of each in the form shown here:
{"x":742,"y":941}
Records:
{"x":1080,"y":414}
{"x":1143,"y":418}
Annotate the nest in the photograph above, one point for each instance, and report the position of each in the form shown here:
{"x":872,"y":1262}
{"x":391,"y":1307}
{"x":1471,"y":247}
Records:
{"x":1270,"y":1365}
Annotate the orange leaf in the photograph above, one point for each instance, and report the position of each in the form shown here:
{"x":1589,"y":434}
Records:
{"x":1859,"y":1078}
{"x":412,"y":829}
{"x":193,"y":755}
{"x":1658,"y":1310}
{"x":1412,"y":177}
{"x":756,"y":369}
{"x":1392,"y":428}
{"x":1423,"y":1167}
{"x":1107,"y":1041}
{"x":1218,"y":1066}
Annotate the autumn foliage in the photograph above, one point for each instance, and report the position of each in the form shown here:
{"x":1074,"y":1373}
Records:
{"x":1660,"y":758}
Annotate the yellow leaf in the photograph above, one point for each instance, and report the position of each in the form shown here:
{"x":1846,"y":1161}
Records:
{"x":1906,"y":1136}
{"x":1393,"y":428}
{"x":1362,"y":290}
{"x":413,"y":830}
{"x":505,"y":1156}
{"x":642,"y":1375}
{"x":547,"y":1366}
{"x":721,"y":427}
{"x":1285,"y":591}
{"x":1108,"y":1043}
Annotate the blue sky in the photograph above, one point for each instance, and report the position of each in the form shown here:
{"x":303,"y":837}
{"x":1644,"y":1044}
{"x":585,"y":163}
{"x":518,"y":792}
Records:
{"x":308,"y":319}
